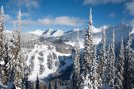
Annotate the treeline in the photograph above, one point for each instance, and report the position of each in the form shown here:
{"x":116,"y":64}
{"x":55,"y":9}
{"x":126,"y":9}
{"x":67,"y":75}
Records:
{"x":103,"y":69}
{"x":13,"y":71}
{"x":99,"y":68}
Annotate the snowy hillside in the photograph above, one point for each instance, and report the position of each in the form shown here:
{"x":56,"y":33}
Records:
{"x":45,"y":60}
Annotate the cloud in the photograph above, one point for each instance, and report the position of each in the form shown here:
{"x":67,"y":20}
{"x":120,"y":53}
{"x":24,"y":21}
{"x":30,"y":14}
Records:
{"x":61,"y":20}
{"x":28,"y":21}
{"x":24,"y":3}
{"x":96,"y":2}
{"x":26,"y":14}
{"x":30,"y":3}
{"x":130,"y":7}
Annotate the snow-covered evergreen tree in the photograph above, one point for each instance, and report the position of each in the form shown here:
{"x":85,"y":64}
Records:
{"x":16,"y":55}
{"x":119,"y":77}
{"x":37,"y":86}
{"x":112,"y":63}
{"x":11,"y":84}
{"x":42,"y":68}
{"x":107,"y":73}
{"x":88,"y":50}
{"x":50,"y":61}
{"x":31,"y":64}
{"x":7,"y":65}
{"x":129,"y":65}
{"x":95,"y":75}
{"x":75,"y":78}
{"x":1,"y":41}
{"x":25,"y":74}
{"x":102,"y":60}
{"x":88,"y":56}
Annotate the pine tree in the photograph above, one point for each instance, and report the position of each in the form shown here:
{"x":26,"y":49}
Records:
{"x":120,"y":68}
{"x":103,"y":60}
{"x":42,"y":68}
{"x":25,"y":74}
{"x":11,"y":84}
{"x":58,"y":83}
{"x":88,"y":50}
{"x":112,"y":63}
{"x":7,"y":65}
{"x":107,"y":73}
{"x":1,"y":41}
{"x":49,"y":84}
{"x":31,"y":64}
{"x":95,"y":75}
{"x":75,"y":82}
{"x":16,"y":55}
{"x":129,"y":65}
{"x":88,"y":55}
{"x":50,"y":61}
{"x":37,"y":83}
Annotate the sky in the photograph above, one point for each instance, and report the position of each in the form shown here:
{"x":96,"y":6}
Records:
{"x":67,"y":14}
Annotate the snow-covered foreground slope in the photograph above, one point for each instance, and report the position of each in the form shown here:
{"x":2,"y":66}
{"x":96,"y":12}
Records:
{"x":40,"y":55}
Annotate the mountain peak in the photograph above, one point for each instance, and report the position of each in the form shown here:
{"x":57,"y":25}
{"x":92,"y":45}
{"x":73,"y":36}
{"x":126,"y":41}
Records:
{"x":37,"y":32}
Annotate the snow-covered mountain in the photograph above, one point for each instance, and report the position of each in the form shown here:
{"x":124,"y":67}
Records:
{"x":52,"y":33}
{"x":40,"y":51}
{"x":37,"y":32}
{"x":47,"y":33}
{"x":57,"y":33}
{"x":121,"y":31}
{"x":71,"y":36}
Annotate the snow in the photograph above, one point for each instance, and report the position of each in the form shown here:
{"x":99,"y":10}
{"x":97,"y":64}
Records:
{"x":76,"y":29}
{"x":45,"y":51}
{"x":96,"y":41}
{"x":132,"y":32}
{"x":48,"y":32}
{"x":53,"y":33}
{"x":96,"y":30}
{"x":2,"y":63}
{"x":37,"y":32}
{"x":7,"y":31}
{"x":73,"y":44}
{"x":57,"y":33}
{"x":120,"y":31}
{"x":18,"y":88}
{"x":35,"y":71}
